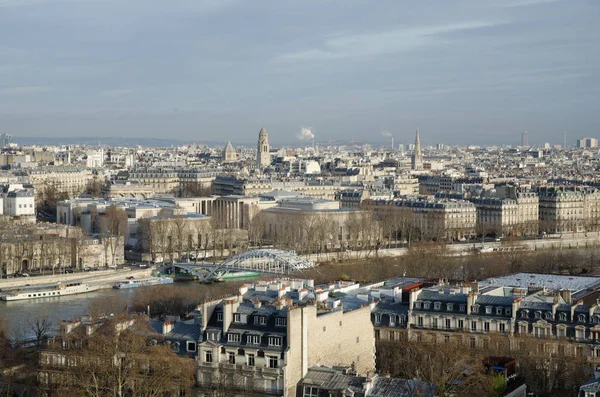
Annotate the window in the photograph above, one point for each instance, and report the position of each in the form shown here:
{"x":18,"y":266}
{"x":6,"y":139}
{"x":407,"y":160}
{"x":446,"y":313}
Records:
{"x":562,"y":317}
{"x":448,"y":323}
{"x":486,"y":326}
{"x":475,"y":308}
{"x":250,"y":360}
{"x":596,"y":319}
{"x":254,"y":339}
{"x":502,"y":327}
{"x":237,"y":318}
{"x":449,"y":307}
{"x":581,"y":318}
{"x":524,"y":314}
{"x":273,"y":361}
{"x":233,"y":338}
{"x":191,"y":346}
{"x":461,"y":324}
{"x":548,"y":315}
{"x":488,"y":310}
{"x":377,"y":318}
{"x":401,"y":320}
{"x":498,"y":311}
{"x":260,"y":320}
{"x":538,"y":314}
{"x":473,"y":325}
{"x":426,"y":305}
{"x":231,"y":357}
{"x":560,"y":332}
{"x":417,"y":305}
{"x":377,"y":334}
{"x":208,"y":358}
{"x":419,"y":321}
{"x":280,"y":321}
{"x":220,"y":316}
{"x":310,"y":391}
{"x":214,"y":336}
{"x":274,"y":341}
{"x":434,"y":322}
{"x":437,"y":305}
{"x":462,"y":308}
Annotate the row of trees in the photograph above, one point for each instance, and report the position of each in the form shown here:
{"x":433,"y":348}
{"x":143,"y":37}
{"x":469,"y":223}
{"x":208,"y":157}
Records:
{"x":456,"y":369}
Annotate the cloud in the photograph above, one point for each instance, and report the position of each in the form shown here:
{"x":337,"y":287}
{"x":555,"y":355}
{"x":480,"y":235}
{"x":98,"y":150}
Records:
{"x":386,"y":134}
{"x":24,"y":90}
{"x":341,"y":46}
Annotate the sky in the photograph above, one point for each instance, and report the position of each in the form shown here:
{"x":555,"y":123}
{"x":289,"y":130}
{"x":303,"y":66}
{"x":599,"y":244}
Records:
{"x":464,"y":71}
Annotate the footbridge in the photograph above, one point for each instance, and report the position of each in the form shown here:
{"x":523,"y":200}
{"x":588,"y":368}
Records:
{"x":265,"y":261}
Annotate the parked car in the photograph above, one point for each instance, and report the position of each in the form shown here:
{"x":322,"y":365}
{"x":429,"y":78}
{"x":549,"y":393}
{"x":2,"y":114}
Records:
{"x":112,"y":266}
{"x":143,"y":265}
{"x":130,"y":278}
{"x":67,"y":271}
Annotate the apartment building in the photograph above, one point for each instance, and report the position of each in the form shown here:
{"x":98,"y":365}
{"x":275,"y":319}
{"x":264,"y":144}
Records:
{"x":497,"y":216}
{"x":225,"y":185}
{"x":569,"y":209}
{"x":172,"y":180}
{"x":72,"y":181}
{"x":264,"y":340}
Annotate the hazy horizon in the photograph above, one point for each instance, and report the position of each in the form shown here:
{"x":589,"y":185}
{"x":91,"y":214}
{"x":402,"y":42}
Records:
{"x":475,"y":71}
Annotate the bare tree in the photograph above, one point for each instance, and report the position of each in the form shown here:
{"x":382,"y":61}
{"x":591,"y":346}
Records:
{"x":114,"y":229}
{"x":40,"y":327}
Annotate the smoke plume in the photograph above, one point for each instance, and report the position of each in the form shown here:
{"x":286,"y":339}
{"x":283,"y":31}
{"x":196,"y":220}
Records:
{"x":306,"y":134}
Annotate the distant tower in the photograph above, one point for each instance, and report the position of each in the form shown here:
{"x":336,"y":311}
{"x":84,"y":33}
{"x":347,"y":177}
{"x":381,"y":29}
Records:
{"x":417,"y":157}
{"x":565,"y":140}
{"x":263,"y":158}
{"x":229,"y":154}
{"x":524,"y":139}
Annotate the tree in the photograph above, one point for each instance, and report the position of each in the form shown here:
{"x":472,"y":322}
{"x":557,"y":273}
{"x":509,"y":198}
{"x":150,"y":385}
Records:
{"x":118,"y":358}
{"x":114,"y":228}
{"x":41,"y":328}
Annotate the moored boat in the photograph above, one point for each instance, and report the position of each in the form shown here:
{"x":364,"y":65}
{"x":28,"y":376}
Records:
{"x":49,"y":292}
{"x":143,"y":282}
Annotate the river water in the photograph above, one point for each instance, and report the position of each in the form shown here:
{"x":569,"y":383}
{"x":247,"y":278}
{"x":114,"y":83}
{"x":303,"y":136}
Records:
{"x":19,"y":314}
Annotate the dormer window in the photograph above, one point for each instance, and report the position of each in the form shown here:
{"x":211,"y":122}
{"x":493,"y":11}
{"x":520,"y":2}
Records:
{"x":214,"y":336}
{"x":498,"y":311}
{"x":260,"y":320}
{"x":274,"y":341}
{"x":220,"y":316}
{"x":417,"y":305}
{"x":488,"y":310}
{"x":462,"y":308}
{"x":475,"y":308}
{"x":401,"y":320}
{"x":524,"y":314}
{"x":253,"y":339}
{"x":237,"y":318}
{"x":548,"y":316}
{"x":426,"y":305}
{"x":392,"y":320}
{"x":449,"y":307}
{"x":377,"y":318}
{"x":437,"y":305}
{"x":538,"y":314}
{"x":562,"y":317}
{"x":233,"y":337}
{"x":581,"y":318}
{"x":280,"y":321}
{"x":507,"y":311}
{"x":596,"y":319}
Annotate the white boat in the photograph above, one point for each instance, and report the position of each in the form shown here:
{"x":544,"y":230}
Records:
{"x":50,"y":292}
{"x":143,"y":282}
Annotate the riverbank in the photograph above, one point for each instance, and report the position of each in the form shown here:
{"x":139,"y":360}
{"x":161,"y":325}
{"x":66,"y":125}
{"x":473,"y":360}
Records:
{"x":103,"y":277}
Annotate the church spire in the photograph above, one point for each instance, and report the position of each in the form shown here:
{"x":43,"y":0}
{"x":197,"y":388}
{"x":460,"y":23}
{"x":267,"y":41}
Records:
{"x":417,"y":157}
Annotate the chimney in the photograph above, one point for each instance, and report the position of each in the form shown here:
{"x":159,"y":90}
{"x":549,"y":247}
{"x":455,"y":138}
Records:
{"x":257,"y":303}
{"x":471,"y":299}
{"x":302,"y":294}
{"x":243,"y":289}
{"x":566,"y":295}
{"x":230,"y":306}
{"x":573,"y":307}
{"x":555,"y":306}
{"x":412,"y":297}
{"x":593,"y":308}
{"x":281,"y":292}
{"x":167,"y":327}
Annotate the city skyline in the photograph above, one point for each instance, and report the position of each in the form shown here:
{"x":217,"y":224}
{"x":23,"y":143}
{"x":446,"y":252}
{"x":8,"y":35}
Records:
{"x":476,"y":72}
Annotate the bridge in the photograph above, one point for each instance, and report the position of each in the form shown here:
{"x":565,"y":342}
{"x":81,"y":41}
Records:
{"x":265,"y":261}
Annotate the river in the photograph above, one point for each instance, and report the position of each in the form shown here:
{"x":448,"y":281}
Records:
{"x":19,"y":314}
